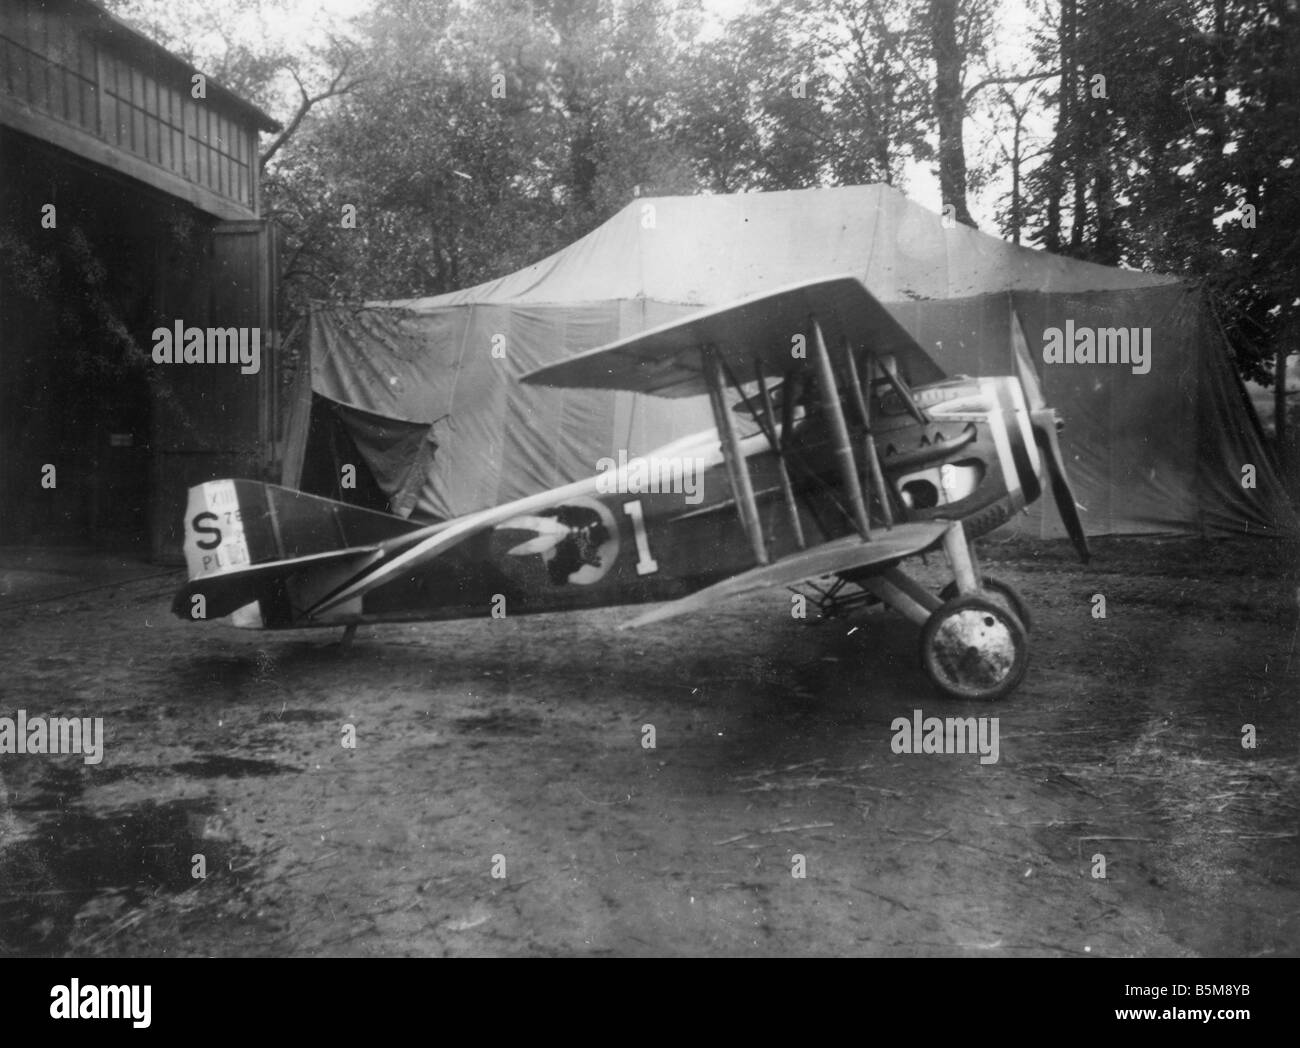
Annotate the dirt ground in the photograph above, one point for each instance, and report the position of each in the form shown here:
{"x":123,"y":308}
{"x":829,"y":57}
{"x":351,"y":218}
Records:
{"x":520,"y":744}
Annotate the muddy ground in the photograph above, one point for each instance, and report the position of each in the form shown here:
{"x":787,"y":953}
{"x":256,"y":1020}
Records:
{"x":520,"y":743}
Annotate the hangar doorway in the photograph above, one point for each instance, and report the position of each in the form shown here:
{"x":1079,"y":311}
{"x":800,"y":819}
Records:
{"x":128,"y":202}
{"x":79,"y":295}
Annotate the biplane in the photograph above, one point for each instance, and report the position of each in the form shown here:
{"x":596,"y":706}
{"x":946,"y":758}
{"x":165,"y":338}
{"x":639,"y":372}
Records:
{"x":840,"y":450}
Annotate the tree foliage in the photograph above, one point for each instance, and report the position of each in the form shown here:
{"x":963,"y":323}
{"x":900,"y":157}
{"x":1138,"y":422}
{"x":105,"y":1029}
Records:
{"x":479,"y":139}
{"x":1175,"y":150}
{"x":468,"y":138}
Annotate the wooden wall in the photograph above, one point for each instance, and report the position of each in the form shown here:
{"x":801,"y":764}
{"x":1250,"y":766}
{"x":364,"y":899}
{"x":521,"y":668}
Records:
{"x":73,"y":76}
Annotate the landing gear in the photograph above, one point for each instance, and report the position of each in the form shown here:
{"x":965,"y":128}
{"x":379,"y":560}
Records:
{"x":832,"y":596}
{"x":974,"y":644}
{"x":974,"y":648}
{"x":998,"y":590}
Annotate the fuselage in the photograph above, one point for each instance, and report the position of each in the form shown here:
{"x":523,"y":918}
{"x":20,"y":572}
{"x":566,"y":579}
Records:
{"x":664,"y":525}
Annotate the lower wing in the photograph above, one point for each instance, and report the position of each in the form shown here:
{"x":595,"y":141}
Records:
{"x":850,"y":553}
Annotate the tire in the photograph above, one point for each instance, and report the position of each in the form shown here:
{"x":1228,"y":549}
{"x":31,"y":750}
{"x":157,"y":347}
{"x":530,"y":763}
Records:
{"x":999,"y":590}
{"x":974,"y":649}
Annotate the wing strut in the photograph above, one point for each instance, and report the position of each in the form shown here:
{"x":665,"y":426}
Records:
{"x":778,"y":442}
{"x":737,"y":468}
{"x":839,"y":431}
{"x":890,"y":367}
{"x":873,"y":460}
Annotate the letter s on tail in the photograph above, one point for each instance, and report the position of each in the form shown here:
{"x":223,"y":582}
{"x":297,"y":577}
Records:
{"x":214,"y":530}
{"x":215,"y":543}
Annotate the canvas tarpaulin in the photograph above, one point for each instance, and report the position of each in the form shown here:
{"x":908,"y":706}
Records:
{"x":1160,"y":451}
{"x":496,"y":438}
{"x":1146,"y":453}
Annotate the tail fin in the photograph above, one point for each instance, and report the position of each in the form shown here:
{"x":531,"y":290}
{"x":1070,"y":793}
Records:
{"x":242,"y":537}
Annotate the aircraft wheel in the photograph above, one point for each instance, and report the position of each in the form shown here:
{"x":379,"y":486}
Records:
{"x":974,"y":648}
{"x":1000,"y":590}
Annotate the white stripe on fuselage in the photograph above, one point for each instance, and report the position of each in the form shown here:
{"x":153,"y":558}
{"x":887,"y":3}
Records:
{"x":440,"y":537}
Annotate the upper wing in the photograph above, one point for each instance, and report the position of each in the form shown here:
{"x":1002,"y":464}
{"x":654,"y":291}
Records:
{"x":666,"y":360}
{"x":885,"y":547}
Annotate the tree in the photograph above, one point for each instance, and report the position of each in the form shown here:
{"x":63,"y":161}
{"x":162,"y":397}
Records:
{"x":1176,"y":148}
{"x":949,"y":106}
{"x":805,"y":93}
{"x":481,"y":139}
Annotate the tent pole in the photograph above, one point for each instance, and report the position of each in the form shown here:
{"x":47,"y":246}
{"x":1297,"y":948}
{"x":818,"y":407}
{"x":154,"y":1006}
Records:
{"x":873,"y":460}
{"x":787,"y":490}
{"x":839,"y":431}
{"x":741,"y":486}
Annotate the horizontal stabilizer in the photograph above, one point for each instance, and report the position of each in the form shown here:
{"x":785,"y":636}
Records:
{"x":230,"y":590}
{"x":847,"y":554}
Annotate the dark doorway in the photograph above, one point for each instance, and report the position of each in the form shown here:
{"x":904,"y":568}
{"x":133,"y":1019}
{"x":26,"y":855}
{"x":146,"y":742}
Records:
{"x":329,"y":449}
{"x":79,"y":297}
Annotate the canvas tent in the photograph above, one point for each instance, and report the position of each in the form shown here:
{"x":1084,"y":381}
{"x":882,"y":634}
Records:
{"x":427,"y":388}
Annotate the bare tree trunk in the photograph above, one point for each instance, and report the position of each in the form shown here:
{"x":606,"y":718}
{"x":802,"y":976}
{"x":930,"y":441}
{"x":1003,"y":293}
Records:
{"x":1279,"y":405}
{"x":1106,"y":250}
{"x":1262,"y":198}
{"x":949,"y":106}
{"x":1017,"y":207}
{"x":1064,"y":123}
{"x":1080,"y":206}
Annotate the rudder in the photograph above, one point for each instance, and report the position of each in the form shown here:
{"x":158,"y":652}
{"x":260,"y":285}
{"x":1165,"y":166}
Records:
{"x":241,"y":536}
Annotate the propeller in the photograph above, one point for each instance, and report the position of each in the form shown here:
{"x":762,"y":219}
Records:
{"x":1045,"y":424}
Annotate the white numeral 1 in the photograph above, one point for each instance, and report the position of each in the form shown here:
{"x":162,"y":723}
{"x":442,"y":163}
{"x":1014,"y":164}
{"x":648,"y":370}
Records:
{"x":645,"y":564}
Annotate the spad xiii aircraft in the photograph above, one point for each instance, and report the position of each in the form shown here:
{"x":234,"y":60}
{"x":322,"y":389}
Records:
{"x":840,"y":451}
